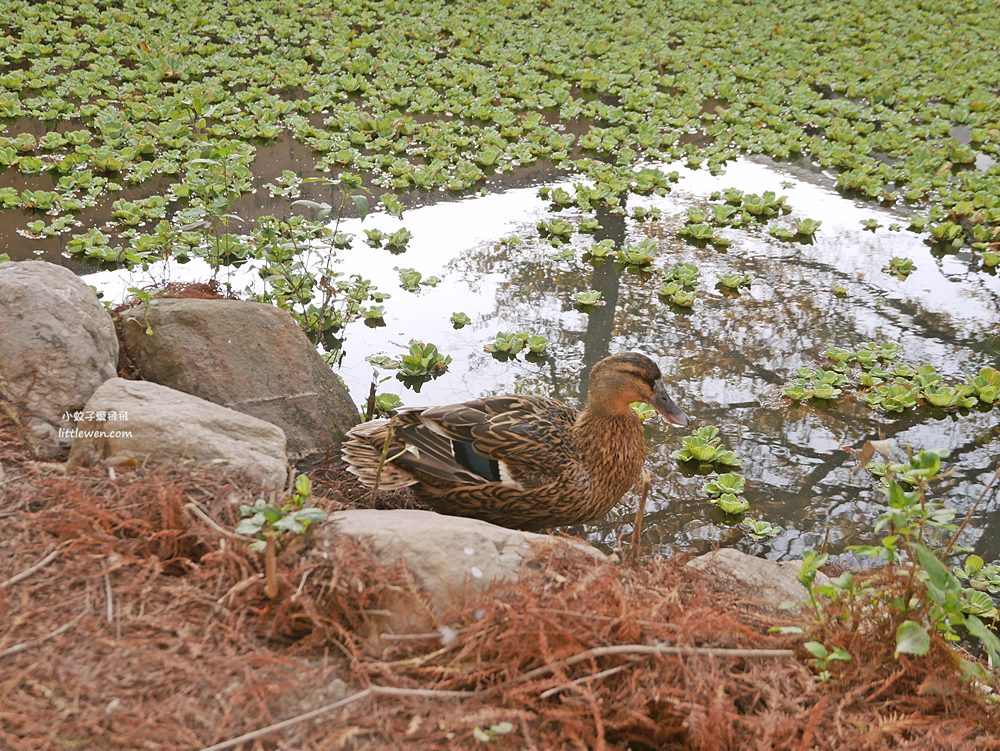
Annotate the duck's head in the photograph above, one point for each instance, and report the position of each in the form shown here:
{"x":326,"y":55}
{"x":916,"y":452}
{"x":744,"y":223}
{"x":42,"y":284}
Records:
{"x":619,"y":380}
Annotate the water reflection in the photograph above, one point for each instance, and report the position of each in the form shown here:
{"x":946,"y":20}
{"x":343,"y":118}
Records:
{"x":725,"y":360}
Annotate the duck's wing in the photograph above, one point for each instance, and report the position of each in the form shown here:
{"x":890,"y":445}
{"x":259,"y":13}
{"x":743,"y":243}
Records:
{"x":518,"y":440}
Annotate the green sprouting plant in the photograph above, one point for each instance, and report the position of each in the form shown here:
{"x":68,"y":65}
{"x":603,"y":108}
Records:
{"x":423,"y":361}
{"x":929,"y":598}
{"x":262,"y":520}
{"x":705,"y":446}
{"x":900,"y":267}
{"x":839,"y":290}
{"x":460,"y":320}
{"x":590,"y":298}
{"x":823,"y":656}
{"x":870,"y":224}
{"x":374,"y":237}
{"x":759,"y":529}
{"x":588,"y":226}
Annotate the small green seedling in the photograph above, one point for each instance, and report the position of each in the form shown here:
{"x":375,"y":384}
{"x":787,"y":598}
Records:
{"x":460,"y":320}
{"x":262,"y":520}
{"x":824,"y":656}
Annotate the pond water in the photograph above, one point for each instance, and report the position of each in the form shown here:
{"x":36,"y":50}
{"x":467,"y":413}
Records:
{"x":725,"y":360}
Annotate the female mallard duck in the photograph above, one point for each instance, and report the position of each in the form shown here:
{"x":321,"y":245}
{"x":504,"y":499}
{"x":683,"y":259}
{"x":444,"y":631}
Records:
{"x":526,"y":462}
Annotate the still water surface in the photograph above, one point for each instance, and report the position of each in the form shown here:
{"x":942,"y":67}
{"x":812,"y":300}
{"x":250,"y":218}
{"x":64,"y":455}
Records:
{"x":725,"y":360}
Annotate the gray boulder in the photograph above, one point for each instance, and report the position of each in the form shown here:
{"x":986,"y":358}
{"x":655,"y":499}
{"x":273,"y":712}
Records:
{"x":58,"y":345}
{"x":132,"y":422}
{"x":246,"y":356}
{"x":450,"y":557}
{"x":769,"y":584}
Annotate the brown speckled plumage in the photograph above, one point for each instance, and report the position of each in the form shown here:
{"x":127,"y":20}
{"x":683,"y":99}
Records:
{"x":536,"y":463}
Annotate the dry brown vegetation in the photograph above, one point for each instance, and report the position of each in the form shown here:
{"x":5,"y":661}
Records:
{"x":127,"y":621}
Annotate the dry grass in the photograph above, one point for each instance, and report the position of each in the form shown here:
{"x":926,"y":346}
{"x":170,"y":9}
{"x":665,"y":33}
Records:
{"x":133,"y":624}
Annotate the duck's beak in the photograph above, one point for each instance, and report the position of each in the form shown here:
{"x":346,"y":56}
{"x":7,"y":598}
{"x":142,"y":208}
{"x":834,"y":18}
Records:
{"x":663,"y":404}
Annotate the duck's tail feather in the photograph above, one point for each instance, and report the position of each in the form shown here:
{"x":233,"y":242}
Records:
{"x":365,"y":453}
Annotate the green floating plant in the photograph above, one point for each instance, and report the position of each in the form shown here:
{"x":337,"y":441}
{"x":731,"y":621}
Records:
{"x":507,"y":344}
{"x":758,"y":529}
{"x":590,"y":298}
{"x":705,"y":447}
{"x":875,"y":374}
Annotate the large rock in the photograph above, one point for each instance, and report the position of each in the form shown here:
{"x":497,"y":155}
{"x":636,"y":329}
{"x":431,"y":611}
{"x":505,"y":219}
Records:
{"x":770,"y":584}
{"x":131,"y":422}
{"x":58,"y":344}
{"x":450,"y":557}
{"x":246,"y":356}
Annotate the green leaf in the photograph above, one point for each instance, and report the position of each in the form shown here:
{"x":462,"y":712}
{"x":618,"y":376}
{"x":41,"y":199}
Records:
{"x":912,"y":639}
{"x":303,"y":486}
{"x":816,"y":649}
{"x":990,"y":640}
{"x":310,"y":515}
{"x":973,"y":564}
{"x":248,"y":528}
{"x":290,"y":524}
{"x":361,"y":205}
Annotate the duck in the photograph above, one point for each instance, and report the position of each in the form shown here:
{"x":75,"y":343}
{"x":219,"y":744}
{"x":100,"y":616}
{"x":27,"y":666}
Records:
{"x":519,"y":461}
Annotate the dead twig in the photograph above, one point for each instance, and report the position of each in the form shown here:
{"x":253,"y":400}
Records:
{"x":51,"y":635}
{"x":320,"y":711}
{"x":654,"y":649}
{"x":584,"y":679}
{"x":195,"y":510}
{"x":32,"y":569}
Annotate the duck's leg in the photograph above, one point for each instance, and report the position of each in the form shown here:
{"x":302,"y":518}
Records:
{"x":644,"y":483}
